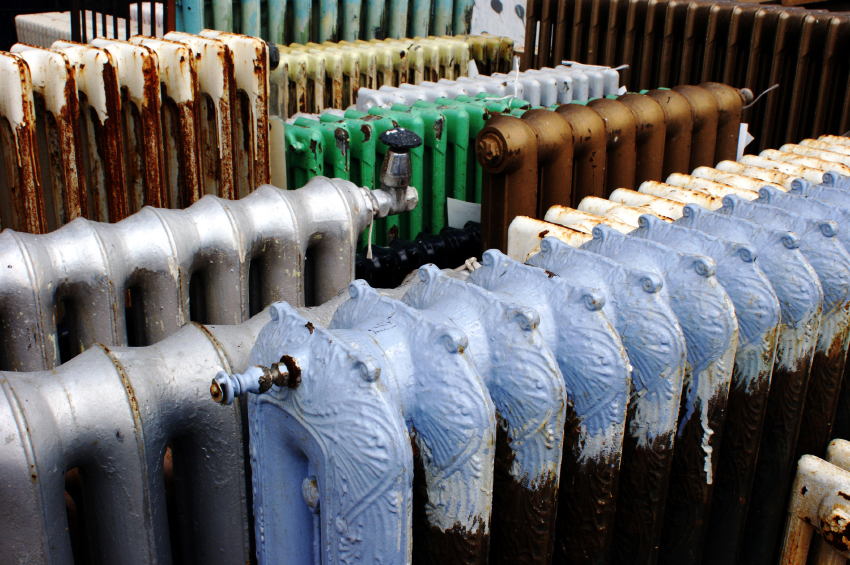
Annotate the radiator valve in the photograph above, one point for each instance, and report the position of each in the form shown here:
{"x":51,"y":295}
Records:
{"x":257,"y":379}
{"x":396,"y":195}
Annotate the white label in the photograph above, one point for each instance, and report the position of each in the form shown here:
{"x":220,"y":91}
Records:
{"x":744,"y":139}
{"x":461,"y":212}
{"x":473,"y":69}
{"x":621,"y":91}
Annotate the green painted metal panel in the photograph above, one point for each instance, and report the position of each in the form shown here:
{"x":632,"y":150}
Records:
{"x":336,"y":146}
{"x":304,"y":155}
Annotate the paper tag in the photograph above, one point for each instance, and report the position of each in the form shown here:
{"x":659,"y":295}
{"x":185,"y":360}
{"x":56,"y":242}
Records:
{"x":473,"y":69}
{"x":461,"y":212}
{"x":621,"y":91}
{"x":744,"y":139}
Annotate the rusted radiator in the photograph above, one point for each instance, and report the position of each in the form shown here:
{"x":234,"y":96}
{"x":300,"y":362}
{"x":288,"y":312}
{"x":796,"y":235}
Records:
{"x":99,"y":131}
{"x":537,"y":158}
{"x":789,"y":207}
{"x":747,"y":45}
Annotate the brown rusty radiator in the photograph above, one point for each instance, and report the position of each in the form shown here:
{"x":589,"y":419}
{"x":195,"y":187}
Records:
{"x":538,"y":158}
{"x":99,"y":131}
{"x":746,"y":45}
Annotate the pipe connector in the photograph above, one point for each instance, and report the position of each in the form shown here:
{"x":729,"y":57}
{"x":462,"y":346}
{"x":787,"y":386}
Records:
{"x":257,"y":379}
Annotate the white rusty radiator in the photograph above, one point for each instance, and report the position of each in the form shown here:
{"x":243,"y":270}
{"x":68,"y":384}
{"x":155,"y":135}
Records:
{"x":100,"y":131}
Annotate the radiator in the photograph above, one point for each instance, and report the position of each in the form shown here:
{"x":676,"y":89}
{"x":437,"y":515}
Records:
{"x":313,"y":77}
{"x":668,"y":42}
{"x":143,"y":278}
{"x":536,"y":158}
{"x":631,"y":130}
{"x":181,"y":126}
{"x":279,"y":21}
{"x":425,"y":422}
{"x":793,"y":227}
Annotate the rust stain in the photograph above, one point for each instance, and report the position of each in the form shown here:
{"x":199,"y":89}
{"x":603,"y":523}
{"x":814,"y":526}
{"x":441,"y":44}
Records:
{"x":309,"y":326}
{"x":294,"y":370}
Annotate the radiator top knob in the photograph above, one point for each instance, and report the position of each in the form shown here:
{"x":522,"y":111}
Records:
{"x":400,"y":140}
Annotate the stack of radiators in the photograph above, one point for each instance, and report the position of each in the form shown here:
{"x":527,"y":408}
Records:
{"x":747,"y":45}
{"x":769,"y":231}
{"x":312,"y":77}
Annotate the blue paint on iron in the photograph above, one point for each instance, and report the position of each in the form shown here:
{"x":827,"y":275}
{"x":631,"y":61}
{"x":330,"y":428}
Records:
{"x":837,"y":196}
{"x":340,"y":426}
{"x":517,"y":366}
{"x":817,"y":244}
{"x":756,"y":305}
{"x":704,"y":310}
{"x":647,"y":326}
{"x":811,"y":208}
{"x":443,"y":398}
{"x":792,"y":277}
{"x":589,"y":351}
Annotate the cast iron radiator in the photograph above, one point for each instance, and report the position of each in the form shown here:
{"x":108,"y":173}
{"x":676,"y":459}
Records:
{"x":666,"y":43}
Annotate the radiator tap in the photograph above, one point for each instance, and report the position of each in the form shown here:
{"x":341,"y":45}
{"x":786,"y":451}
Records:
{"x":396,"y":195}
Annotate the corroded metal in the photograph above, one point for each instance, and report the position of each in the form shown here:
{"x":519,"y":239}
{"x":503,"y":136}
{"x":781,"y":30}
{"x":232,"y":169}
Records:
{"x":214,"y":66}
{"x":589,"y":352}
{"x":694,"y":493}
{"x":696,"y":298}
{"x":61,"y":153}
{"x":656,"y":348}
{"x":829,"y":258}
{"x":23,"y":202}
{"x":522,"y":376}
{"x":137,"y":72}
{"x":797,"y":286}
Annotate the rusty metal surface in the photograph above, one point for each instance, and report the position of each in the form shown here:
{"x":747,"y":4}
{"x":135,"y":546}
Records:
{"x":181,"y":113}
{"x":214,"y":65}
{"x":137,"y":72}
{"x":60,"y":152}
{"x":20,"y":192}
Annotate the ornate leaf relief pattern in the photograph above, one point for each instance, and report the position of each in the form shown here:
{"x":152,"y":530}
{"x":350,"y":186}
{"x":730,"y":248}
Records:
{"x":519,"y":369}
{"x":589,"y":352}
{"x":648,"y":328}
{"x":450,"y":409}
{"x":362,"y":454}
{"x":756,"y":305}
{"x":704,"y":310}
{"x":793,"y":279}
{"x":817,"y":244}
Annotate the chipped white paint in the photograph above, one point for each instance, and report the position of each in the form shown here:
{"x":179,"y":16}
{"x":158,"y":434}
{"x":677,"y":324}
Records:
{"x":709,"y":187}
{"x":90,"y":64}
{"x":211,"y":58}
{"x":819,"y":150}
{"x":582,"y":221}
{"x":743,"y":177}
{"x":627,"y":214}
{"x":525,"y":235}
{"x":677,"y":194}
{"x":176,"y":67}
{"x":790,"y":170}
{"x":662,"y":207}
